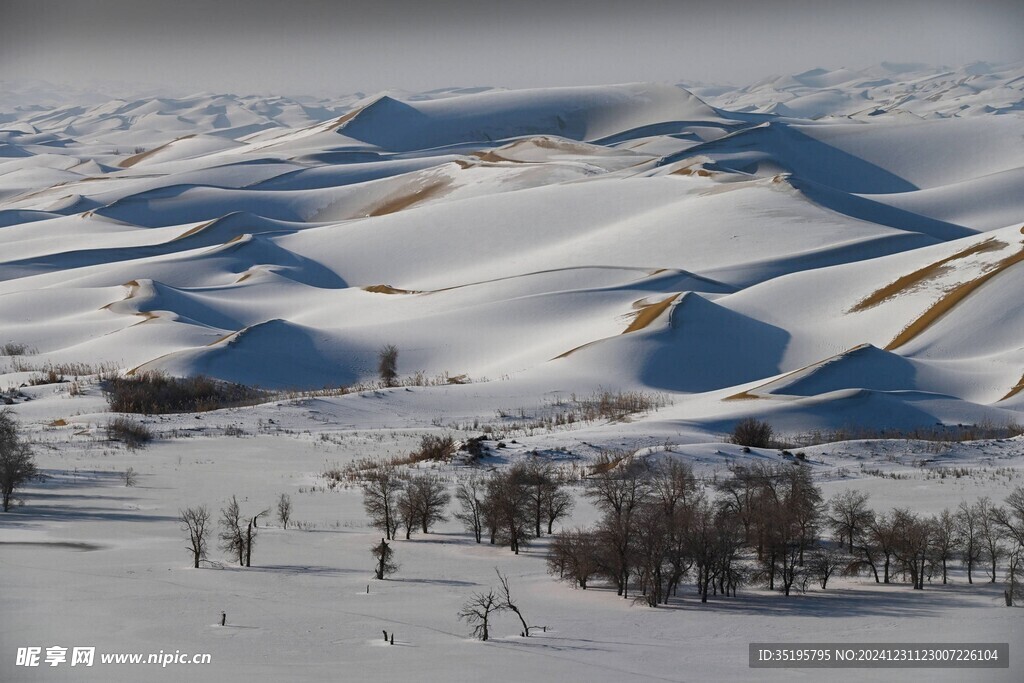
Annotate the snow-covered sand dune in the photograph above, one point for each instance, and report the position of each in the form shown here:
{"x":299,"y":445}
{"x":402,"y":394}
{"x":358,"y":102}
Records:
{"x":622,"y":236}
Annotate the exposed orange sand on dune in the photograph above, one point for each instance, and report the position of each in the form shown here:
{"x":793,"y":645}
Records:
{"x":132,"y":160}
{"x":750,"y":395}
{"x":404,"y":201}
{"x":921,"y":275}
{"x":1016,"y":390}
{"x":574,"y":148}
{"x":648,"y":313}
{"x":133,"y":290}
{"x":949,"y":301}
{"x":388,"y":289}
{"x":645,"y":315}
{"x":342,"y":120}
{"x":571,"y":351}
{"x":193,"y":231}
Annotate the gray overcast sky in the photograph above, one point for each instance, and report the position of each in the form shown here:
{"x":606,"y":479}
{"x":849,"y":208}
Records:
{"x":320,"y":46}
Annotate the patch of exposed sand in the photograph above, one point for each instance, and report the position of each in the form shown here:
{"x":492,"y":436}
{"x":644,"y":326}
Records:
{"x":132,"y":160}
{"x":648,"y":313}
{"x":345,"y":118}
{"x":1016,"y":390}
{"x":950,"y":300}
{"x":750,"y":394}
{"x":644,"y":316}
{"x":388,"y":289}
{"x":405,"y":200}
{"x":507,"y":152}
{"x":193,"y":231}
{"x":922,"y":275}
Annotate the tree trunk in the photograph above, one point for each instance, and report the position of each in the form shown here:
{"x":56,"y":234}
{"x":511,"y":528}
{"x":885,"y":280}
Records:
{"x":248,"y":544}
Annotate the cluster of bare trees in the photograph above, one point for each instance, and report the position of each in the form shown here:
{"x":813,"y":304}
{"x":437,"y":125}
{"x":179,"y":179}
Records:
{"x":764,"y":525}
{"x":395,"y":500}
{"x":980,"y":536}
{"x":422,"y":503}
{"x":657,"y":527}
{"x":514,"y":505}
{"x":510,"y":507}
{"x":237,"y":531}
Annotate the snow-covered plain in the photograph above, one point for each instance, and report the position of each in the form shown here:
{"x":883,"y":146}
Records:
{"x":855,"y":268}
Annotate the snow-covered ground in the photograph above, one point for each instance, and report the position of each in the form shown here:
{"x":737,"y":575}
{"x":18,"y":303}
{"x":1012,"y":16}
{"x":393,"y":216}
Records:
{"x":833,"y":250}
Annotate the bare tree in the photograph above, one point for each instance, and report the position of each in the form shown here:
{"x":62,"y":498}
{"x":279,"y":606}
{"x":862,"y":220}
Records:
{"x":380,"y":499}
{"x":387,"y":364}
{"x":573,"y":556}
{"x":879,"y":543}
{"x":944,"y":541}
{"x":673,"y":485}
{"x":477,"y":612}
{"x":702,"y":545}
{"x":651,"y":544}
{"x":17,"y":465}
{"x":130,"y":477}
{"x":825,"y":562}
{"x":618,"y":492}
{"x":429,"y":500}
{"x":535,"y":477}
{"x":250,"y":536}
{"x":990,"y":535}
{"x":968,"y":535}
{"x":848,"y":516}
{"x":384,"y":556}
{"x":406,"y":507}
{"x":284,"y":509}
{"x":232,"y":538}
{"x":1010,"y":519}
{"x":196,"y":521}
{"x":558,"y":504}
{"x":913,"y":541}
{"x":507,"y":603}
{"x":507,"y":506}
{"x":470,"y":494}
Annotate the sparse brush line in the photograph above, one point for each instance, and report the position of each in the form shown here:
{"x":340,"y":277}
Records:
{"x":949,"y":301}
{"x":936,"y":434}
{"x":17,"y":349}
{"x":921,"y":275}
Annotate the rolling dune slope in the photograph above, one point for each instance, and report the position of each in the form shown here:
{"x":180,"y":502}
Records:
{"x":864,"y":265}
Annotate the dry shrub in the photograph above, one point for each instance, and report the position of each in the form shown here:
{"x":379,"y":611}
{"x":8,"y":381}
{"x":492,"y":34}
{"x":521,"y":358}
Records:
{"x":126,"y":430}
{"x":608,"y":460}
{"x":155,"y":393}
{"x":753,"y":433}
